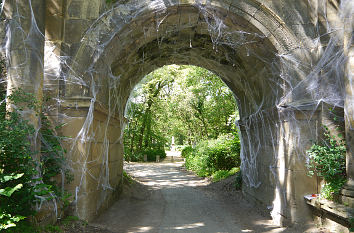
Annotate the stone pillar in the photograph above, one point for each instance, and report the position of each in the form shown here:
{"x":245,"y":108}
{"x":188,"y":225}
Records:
{"x":347,"y":17}
{"x":348,"y":190}
{"x":25,"y":50}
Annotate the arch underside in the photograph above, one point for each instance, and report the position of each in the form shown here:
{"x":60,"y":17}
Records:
{"x":225,"y":43}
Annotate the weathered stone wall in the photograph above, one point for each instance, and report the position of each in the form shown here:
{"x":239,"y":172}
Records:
{"x":96,"y":155}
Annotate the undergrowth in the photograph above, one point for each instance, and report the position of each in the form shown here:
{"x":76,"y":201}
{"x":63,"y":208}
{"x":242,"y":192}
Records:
{"x":327,"y":160}
{"x":218,"y":158}
{"x":223,"y":174}
{"x":127,"y":178}
{"x":25,"y":181}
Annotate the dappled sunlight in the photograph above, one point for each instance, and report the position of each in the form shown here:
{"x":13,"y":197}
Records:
{"x":188,"y":226}
{"x":153,"y":176}
{"x":140,"y":229}
{"x":167,"y":198}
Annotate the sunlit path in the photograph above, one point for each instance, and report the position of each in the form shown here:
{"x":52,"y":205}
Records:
{"x":169,"y":199}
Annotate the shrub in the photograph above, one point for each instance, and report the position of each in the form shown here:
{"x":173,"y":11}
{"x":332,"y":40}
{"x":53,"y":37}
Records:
{"x":136,"y":157}
{"x":198,"y":164}
{"x":187,"y":151}
{"x":24,"y":181}
{"x":327,"y":160}
{"x":16,"y":158}
{"x":211,"y":156}
{"x":224,"y":153}
{"x":151,"y":155}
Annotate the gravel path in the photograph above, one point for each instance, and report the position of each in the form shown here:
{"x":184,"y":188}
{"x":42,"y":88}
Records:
{"x":166,"y":198}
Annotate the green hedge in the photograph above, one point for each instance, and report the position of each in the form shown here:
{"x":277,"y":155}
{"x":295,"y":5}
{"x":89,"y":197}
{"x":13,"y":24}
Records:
{"x":151,"y":155}
{"x":210,"y":156}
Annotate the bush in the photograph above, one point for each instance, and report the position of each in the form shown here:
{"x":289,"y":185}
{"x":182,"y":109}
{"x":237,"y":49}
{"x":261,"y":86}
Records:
{"x":327,"y":160}
{"x":151,"y":155}
{"x":23,"y":180}
{"x":17,"y":192}
{"x":211,"y":156}
{"x":187,"y":151}
{"x":224,"y":153}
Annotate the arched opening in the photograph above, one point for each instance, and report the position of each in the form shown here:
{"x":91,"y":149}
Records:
{"x":273,"y":56}
{"x":178,"y":106}
{"x":115,"y":56}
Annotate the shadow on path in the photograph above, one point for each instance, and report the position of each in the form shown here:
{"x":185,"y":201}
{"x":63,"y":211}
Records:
{"x":166,"y":198}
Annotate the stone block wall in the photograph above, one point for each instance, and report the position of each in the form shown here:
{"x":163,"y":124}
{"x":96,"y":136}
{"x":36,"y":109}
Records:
{"x":95,"y":155}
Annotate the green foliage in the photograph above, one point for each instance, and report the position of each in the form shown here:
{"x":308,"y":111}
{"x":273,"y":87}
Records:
{"x":51,"y":228}
{"x":224,"y":153}
{"x":218,"y":156}
{"x":186,"y":151}
{"x":351,"y":222}
{"x":66,"y":199}
{"x":238,"y":180}
{"x":327,"y":160}
{"x":111,"y":1}
{"x":52,"y":156}
{"x":23,"y":180}
{"x":127,"y":178}
{"x":187,"y":102}
{"x":8,"y":191}
{"x":152,"y":153}
{"x":223,"y":174}
{"x":16,"y":154}
{"x":68,"y":220}
{"x":8,"y":220}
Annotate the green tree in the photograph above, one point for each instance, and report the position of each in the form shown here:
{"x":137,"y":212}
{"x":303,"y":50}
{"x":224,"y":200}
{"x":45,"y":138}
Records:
{"x":187,"y":102}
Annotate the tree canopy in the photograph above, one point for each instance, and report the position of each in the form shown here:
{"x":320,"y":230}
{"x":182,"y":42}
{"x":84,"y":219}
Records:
{"x":187,"y":102}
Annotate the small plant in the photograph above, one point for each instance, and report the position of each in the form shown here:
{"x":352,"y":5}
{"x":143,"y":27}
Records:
{"x":111,"y":1}
{"x":25,"y":181}
{"x":351,"y":223}
{"x":127,"y":178}
{"x":51,"y":228}
{"x":327,"y":160}
{"x":68,"y":220}
{"x":238,"y":181}
{"x":8,"y":220}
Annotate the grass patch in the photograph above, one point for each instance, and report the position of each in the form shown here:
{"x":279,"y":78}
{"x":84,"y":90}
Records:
{"x":69,"y":220}
{"x":127,"y":179}
{"x":223,"y":174}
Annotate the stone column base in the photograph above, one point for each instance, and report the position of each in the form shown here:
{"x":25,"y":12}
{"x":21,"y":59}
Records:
{"x":347,"y":194}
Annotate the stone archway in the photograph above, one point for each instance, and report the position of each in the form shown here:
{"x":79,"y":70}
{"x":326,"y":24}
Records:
{"x":260,"y":49}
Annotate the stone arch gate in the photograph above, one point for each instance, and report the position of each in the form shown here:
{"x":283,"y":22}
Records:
{"x":287,"y":62}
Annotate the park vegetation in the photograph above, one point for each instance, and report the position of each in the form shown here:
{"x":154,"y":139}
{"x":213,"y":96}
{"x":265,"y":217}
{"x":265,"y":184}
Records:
{"x":195,"y":107}
{"x":327,"y":160}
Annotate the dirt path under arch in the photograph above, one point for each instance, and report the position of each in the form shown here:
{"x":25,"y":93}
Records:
{"x":166,"y":198}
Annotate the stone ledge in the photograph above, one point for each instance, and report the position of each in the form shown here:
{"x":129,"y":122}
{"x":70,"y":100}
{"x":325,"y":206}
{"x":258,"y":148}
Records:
{"x":339,"y":213}
{"x":85,"y":103}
